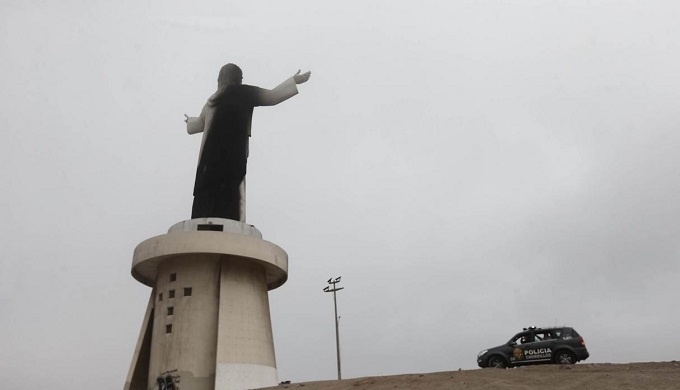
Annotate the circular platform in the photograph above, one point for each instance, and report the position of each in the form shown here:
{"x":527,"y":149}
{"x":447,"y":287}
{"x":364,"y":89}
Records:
{"x":207,"y":238}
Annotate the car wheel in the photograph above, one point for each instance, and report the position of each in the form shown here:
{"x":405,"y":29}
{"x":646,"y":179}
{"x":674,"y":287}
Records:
{"x":565,"y":357}
{"x":496,"y":362}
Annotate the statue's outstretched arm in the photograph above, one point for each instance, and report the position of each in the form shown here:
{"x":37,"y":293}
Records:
{"x":283,"y":91}
{"x":195,"y":124}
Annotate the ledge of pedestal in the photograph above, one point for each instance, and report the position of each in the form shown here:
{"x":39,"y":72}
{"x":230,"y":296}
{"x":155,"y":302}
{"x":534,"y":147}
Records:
{"x":234,"y":239}
{"x":216,"y":224}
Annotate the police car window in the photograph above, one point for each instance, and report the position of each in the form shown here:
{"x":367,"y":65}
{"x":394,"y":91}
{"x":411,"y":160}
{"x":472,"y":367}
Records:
{"x":557,"y":332}
{"x":543,"y":336}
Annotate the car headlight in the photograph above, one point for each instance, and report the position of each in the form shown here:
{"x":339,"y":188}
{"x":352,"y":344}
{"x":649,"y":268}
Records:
{"x":482,"y":353}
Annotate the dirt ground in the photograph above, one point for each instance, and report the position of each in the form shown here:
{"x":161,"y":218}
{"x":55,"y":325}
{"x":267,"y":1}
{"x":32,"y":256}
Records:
{"x":601,"y":376}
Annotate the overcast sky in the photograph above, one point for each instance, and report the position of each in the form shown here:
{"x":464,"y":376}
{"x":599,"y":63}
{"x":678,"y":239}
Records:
{"x":469,"y":168}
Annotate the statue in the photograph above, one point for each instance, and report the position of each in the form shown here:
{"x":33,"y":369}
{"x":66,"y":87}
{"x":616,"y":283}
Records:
{"x":219,"y":189}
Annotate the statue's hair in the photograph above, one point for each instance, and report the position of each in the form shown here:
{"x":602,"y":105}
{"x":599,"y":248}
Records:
{"x":228,"y":74}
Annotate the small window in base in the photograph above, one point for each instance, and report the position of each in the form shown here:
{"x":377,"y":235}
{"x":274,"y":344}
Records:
{"x":168,"y":328}
{"x":160,"y":297}
{"x":171,"y":310}
{"x":210,"y":228}
{"x":173,"y":277}
{"x":171,"y":294}
{"x":187,"y":291}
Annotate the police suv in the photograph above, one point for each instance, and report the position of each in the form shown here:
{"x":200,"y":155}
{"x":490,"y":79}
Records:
{"x":534,"y":345}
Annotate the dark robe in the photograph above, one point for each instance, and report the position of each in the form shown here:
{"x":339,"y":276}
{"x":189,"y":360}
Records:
{"x":221,"y":169}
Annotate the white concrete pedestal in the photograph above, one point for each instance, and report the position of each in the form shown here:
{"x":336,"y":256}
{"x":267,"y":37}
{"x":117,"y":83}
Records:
{"x":207,"y":324}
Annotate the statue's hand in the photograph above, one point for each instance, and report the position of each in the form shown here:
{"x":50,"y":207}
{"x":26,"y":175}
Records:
{"x":186,"y":118}
{"x":301,"y":78}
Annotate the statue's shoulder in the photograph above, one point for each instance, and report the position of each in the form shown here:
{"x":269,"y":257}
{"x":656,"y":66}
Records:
{"x":245,"y":94}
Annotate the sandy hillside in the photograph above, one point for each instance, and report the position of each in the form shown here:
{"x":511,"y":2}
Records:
{"x":655,"y":376}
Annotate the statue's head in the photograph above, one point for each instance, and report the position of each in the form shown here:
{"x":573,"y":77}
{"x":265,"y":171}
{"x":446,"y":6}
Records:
{"x":229,"y":74}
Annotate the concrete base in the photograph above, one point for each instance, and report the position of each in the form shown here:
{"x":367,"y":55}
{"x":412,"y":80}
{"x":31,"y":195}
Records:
{"x":207,"y":325}
{"x":245,"y":376}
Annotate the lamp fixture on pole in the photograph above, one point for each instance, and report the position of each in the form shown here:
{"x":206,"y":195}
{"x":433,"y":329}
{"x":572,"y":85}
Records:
{"x":328,"y":288}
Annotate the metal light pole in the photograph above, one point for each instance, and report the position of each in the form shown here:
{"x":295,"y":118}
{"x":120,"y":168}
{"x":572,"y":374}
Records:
{"x":335,"y":304}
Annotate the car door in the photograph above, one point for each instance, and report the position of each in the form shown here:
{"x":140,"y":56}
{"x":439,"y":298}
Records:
{"x":539,"y":349}
{"x":517,"y":346}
